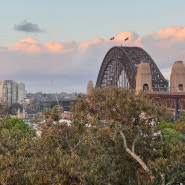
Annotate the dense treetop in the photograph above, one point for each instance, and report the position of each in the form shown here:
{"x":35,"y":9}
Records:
{"x":115,"y":137}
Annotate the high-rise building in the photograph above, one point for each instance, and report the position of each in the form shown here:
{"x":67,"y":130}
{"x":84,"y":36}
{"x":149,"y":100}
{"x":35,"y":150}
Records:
{"x":1,"y":90}
{"x":21,"y":92}
{"x":7,"y":91}
{"x":11,"y":92}
{"x":14,"y":92}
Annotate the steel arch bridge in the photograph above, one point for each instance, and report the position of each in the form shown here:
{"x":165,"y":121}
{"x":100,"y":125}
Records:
{"x":121,"y":62}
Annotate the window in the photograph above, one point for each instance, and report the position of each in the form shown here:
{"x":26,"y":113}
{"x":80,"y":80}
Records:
{"x":145,"y":87}
{"x":180,"y":87}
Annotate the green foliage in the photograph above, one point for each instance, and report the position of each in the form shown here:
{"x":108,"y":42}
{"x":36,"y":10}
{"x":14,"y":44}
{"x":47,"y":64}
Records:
{"x":56,"y":113}
{"x":12,"y":133}
{"x":171,"y":132}
{"x":180,"y":126}
{"x":120,"y":109}
{"x":170,"y":163}
{"x":15,"y":125}
{"x":163,"y":125}
{"x":91,"y":150}
{"x":13,"y":108}
{"x":4,"y":110}
{"x":171,"y":135}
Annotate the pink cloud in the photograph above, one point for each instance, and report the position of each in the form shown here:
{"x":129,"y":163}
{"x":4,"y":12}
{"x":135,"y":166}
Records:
{"x":56,"y":47}
{"x":177,"y":32}
{"x":89,"y":43}
{"x":29,"y":45}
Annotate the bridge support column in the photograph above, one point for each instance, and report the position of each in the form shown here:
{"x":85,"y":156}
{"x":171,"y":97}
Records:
{"x":176,"y":113}
{"x":143,"y":77}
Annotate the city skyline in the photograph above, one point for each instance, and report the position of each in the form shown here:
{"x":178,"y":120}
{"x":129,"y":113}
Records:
{"x":59,"y":46}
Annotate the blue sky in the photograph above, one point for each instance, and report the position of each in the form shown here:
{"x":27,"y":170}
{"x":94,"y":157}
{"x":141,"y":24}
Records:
{"x":60,"y":25}
{"x":82,"y":20}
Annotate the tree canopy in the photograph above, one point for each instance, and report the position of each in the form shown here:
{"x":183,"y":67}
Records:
{"x":115,"y":137}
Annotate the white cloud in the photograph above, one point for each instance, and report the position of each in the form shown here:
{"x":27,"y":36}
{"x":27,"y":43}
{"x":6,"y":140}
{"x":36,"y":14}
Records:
{"x":71,"y":65}
{"x":123,"y":36}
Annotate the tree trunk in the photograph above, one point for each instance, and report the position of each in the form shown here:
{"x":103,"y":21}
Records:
{"x":136,"y":157}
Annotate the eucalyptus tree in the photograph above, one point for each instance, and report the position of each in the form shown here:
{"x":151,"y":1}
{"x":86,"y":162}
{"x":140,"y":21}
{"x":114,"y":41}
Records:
{"x":129,"y":121}
{"x":114,"y":138}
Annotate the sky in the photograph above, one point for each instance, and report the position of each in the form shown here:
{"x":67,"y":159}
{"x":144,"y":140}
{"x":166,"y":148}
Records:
{"x":59,"y":45}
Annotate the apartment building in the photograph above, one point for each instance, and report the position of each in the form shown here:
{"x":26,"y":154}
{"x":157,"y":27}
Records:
{"x":12,"y":92}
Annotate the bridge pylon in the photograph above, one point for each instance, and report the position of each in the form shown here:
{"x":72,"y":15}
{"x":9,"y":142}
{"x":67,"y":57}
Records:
{"x":143,"y":77}
{"x":177,"y":78}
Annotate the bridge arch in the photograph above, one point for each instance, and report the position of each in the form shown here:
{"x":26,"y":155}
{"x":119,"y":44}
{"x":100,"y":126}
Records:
{"x":124,"y":59}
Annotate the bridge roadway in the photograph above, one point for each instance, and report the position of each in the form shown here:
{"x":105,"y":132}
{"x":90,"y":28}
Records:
{"x":171,"y":100}
{"x":166,"y":94}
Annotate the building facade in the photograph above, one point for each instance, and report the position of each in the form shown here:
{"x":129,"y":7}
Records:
{"x":12,"y":92}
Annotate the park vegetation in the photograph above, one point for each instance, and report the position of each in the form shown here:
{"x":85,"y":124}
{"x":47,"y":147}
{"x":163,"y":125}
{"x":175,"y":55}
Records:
{"x":115,"y":138}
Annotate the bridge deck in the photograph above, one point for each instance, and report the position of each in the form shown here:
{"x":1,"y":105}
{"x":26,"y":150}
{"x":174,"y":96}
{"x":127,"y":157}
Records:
{"x":166,"y":94}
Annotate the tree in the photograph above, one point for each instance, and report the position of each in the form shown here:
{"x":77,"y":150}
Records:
{"x":114,"y":138}
{"x":13,"y":109}
{"x":101,"y":146}
{"x":130,"y":117}
{"x":171,"y":163}
{"x":56,"y":113}
{"x":4,"y":110}
{"x":13,"y":132}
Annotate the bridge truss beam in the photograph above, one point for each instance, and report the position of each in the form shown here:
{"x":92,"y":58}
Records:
{"x":126,"y":59}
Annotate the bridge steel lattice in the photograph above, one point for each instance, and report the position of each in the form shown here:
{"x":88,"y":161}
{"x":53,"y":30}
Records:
{"x":124,"y":58}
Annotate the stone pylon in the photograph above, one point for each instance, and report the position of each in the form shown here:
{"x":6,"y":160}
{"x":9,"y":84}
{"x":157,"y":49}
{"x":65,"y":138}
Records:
{"x":89,"y":87}
{"x":177,"y":78}
{"x":143,"y":77}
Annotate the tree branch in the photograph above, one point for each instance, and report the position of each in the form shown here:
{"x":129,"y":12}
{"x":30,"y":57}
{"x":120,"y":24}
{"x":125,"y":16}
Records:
{"x":133,"y":145}
{"x":134,"y":142}
{"x":136,"y":157}
{"x":78,"y":144}
{"x":68,"y":144}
